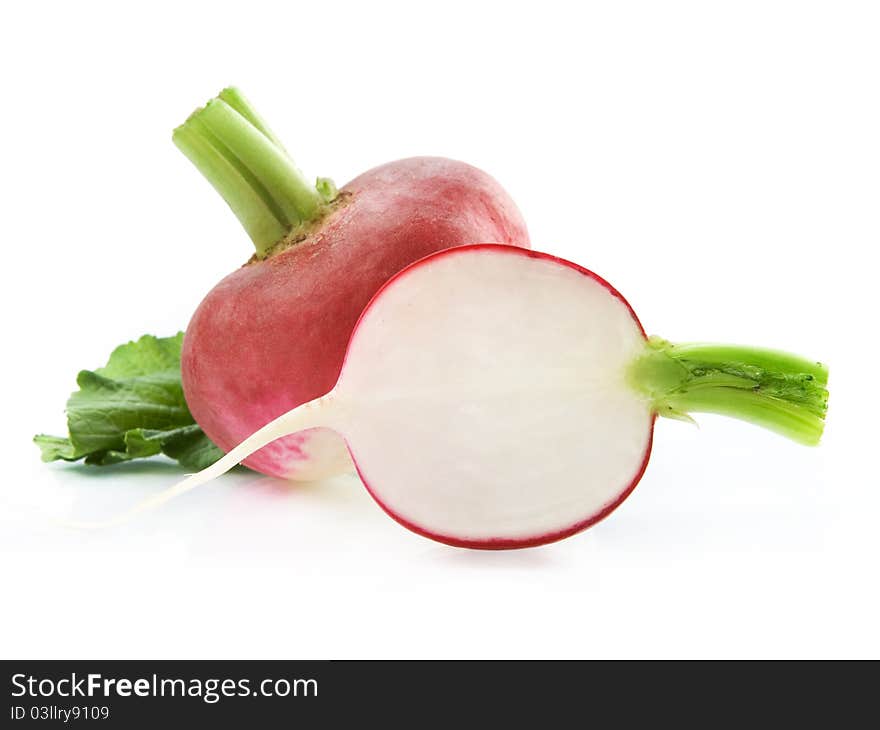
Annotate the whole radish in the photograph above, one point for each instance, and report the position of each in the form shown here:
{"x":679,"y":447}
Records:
{"x":494,"y":397}
{"x":272,"y":334}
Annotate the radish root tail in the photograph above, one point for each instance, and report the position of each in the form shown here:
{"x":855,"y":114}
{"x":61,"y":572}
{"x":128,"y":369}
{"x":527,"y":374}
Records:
{"x":299,"y":419}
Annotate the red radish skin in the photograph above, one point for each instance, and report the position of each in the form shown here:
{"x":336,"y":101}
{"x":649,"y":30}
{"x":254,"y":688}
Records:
{"x":273,"y":334}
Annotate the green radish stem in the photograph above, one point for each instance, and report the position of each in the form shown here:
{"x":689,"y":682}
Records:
{"x":236,"y":100}
{"x":235,"y":150}
{"x":776,"y":390}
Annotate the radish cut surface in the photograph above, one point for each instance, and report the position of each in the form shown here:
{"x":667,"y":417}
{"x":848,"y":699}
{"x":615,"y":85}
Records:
{"x":484,"y":398}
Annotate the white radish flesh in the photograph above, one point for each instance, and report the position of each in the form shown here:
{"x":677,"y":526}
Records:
{"x":481,"y":418}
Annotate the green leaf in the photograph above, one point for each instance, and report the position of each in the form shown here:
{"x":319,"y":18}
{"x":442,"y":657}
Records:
{"x":55,"y":447}
{"x":132,"y":408}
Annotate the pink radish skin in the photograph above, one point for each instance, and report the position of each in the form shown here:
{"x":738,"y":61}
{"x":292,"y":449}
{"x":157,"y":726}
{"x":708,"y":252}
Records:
{"x":273,"y":334}
{"x":493,"y":397}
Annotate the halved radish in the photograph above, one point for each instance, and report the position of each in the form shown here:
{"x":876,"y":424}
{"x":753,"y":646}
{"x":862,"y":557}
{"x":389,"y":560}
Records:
{"x":494,"y":397}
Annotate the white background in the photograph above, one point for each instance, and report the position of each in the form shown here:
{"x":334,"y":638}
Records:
{"x":717,"y":162}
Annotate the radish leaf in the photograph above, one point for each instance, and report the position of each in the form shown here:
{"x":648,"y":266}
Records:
{"x":132,"y":408}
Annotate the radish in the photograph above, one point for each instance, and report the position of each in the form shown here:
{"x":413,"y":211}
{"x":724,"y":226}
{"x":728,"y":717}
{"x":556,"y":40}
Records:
{"x":272,"y":334}
{"x":495,"y":397}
